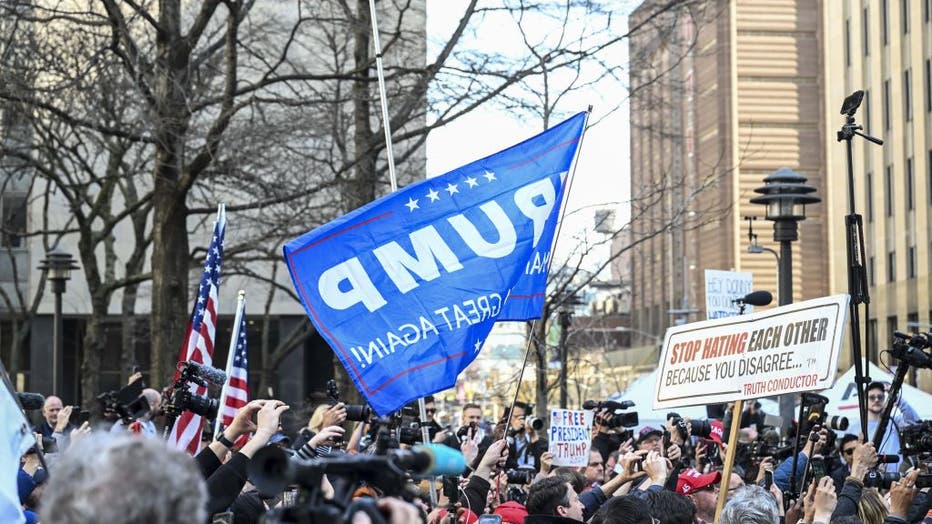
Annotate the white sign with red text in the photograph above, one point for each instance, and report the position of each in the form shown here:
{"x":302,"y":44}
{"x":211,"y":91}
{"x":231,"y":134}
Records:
{"x":787,"y":349}
{"x":570,"y":437}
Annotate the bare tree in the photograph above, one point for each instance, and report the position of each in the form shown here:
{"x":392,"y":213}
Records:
{"x":144,"y":115}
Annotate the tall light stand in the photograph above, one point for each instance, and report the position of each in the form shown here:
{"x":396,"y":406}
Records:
{"x":857,"y":277}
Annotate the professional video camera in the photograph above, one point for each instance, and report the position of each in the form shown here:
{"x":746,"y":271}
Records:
{"x":884,"y":479}
{"x":127,"y":403}
{"x":180,"y":398}
{"x":916,"y":439}
{"x":912,"y":349}
{"x":617,"y":418}
{"x":814,"y":414}
{"x":271,"y":470}
{"x":354,"y":412}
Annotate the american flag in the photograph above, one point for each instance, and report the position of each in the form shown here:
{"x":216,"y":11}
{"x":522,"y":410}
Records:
{"x":236,"y":389}
{"x":199,"y":339}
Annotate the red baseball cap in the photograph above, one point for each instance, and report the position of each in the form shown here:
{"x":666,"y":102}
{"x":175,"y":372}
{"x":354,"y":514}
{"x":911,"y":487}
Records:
{"x":691,"y":480}
{"x":512,"y":512}
{"x":718,"y":431}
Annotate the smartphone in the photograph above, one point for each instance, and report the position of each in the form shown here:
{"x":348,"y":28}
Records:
{"x":489,"y":519}
{"x":80,"y":417}
{"x":767,"y":480}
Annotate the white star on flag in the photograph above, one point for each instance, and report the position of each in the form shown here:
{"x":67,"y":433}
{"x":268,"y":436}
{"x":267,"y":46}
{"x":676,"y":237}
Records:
{"x":471,"y":181}
{"x":451,"y":188}
{"x":490,"y":176}
{"x":433,"y":195}
{"x":412,"y":204}
{"x":477,"y":346}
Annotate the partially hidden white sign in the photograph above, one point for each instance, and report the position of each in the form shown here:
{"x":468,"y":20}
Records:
{"x":782,"y":350}
{"x":570,"y":437}
{"x":722,"y":288}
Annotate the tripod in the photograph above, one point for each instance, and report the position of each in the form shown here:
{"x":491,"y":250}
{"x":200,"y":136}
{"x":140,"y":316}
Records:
{"x":857,"y":277}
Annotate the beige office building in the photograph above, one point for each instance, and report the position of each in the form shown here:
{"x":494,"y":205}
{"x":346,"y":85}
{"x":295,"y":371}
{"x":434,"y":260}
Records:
{"x":724,"y":96}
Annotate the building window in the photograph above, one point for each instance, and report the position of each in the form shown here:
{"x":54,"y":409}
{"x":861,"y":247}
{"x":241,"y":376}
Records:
{"x":867,"y":108}
{"x":904,"y":16}
{"x":907,"y":96}
{"x":883,"y":21}
{"x":872,"y":333}
{"x":911,"y":262}
{"x":14,"y":220}
{"x":909,"y":183}
{"x":869,"y":195}
{"x":870,"y":271}
{"x":928,"y":84}
{"x":848,"y":42}
{"x":886,"y":105}
{"x":891,"y":266}
{"x":866,"y":28}
{"x":888,"y":192}
{"x":891,"y":326}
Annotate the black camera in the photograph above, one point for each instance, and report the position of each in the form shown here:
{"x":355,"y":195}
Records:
{"x":617,"y":418}
{"x":701,"y":428}
{"x":917,"y":438}
{"x":519,"y":476}
{"x":127,"y":403}
{"x":354,"y":412}
{"x":679,"y":424}
{"x":880,"y":479}
{"x":179,"y":395}
{"x":466,"y":430}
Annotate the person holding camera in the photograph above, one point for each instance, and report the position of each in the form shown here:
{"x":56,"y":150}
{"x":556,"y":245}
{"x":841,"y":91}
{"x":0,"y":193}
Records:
{"x":144,"y":425}
{"x":470,"y":430}
{"x":525,"y":445}
{"x":876,"y":398}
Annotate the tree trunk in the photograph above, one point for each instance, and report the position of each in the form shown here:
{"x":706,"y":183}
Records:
{"x":360,"y":189}
{"x":170,"y":308}
{"x":128,"y":333}
{"x":94,"y":342}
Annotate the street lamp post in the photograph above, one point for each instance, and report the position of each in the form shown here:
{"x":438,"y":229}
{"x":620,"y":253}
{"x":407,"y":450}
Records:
{"x":57,"y":265}
{"x":785,"y":193}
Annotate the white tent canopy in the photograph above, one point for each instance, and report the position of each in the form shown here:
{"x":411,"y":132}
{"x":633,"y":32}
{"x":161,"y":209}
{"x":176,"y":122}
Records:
{"x":843,"y":397}
{"x":641,"y":392}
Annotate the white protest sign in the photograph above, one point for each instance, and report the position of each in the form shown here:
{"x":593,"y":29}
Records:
{"x":782,"y":350}
{"x":570,"y":437}
{"x":721,"y":287}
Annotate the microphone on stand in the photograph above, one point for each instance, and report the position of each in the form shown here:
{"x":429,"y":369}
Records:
{"x":755,"y":298}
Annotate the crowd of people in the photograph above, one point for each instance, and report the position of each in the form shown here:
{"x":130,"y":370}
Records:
{"x":120,"y":470}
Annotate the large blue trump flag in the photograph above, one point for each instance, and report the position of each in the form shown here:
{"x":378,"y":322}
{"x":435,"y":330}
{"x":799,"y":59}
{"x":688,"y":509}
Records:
{"x":406,"y":289}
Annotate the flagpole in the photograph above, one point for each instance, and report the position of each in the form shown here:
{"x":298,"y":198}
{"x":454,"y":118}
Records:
{"x":386,"y":125}
{"x":563,"y":205}
{"x":234,"y":338}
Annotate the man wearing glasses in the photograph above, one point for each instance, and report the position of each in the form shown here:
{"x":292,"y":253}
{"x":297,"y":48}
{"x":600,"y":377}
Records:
{"x":846,"y":446}
{"x":890,"y":445}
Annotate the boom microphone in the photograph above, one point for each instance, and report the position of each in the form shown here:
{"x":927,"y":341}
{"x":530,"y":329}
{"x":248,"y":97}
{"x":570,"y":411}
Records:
{"x":755,"y":298}
{"x":208,"y":373}
{"x":30,"y":401}
{"x":431,"y":460}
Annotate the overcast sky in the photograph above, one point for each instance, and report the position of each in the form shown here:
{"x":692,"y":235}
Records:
{"x":602,"y":173}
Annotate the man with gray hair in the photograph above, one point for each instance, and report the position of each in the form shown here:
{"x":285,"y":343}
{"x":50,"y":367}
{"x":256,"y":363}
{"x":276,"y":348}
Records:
{"x":751,"y":505}
{"x":120,"y":479}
